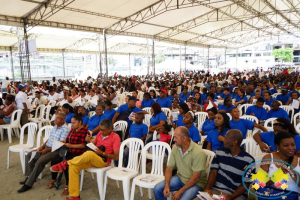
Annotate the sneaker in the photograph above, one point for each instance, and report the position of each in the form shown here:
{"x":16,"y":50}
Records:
{"x":24,"y":188}
{"x":56,"y":168}
{"x":73,"y":198}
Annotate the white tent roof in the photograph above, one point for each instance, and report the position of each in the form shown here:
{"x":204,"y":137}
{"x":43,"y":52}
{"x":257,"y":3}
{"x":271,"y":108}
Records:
{"x":199,"y":23}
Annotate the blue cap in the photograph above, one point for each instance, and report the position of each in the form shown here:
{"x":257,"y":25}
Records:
{"x":20,"y":87}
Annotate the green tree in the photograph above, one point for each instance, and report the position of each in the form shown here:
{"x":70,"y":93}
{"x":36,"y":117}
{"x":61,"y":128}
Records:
{"x":283,"y":55}
{"x":159,"y":58}
{"x":112,"y":61}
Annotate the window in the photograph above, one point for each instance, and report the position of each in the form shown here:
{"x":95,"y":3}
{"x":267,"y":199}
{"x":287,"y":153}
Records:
{"x":254,"y":61}
{"x":267,"y":61}
{"x":257,"y":54}
{"x":246,"y":55}
{"x":267,"y":54}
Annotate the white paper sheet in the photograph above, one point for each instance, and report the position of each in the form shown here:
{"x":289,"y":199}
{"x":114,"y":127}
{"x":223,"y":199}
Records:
{"x":92,"y":146}
{"x":295,"y":104}
{"x":175,"y":116}
{"x":210,"y":105}
{"x":56,"y":145}
{"x":93,"y":102}
{"x":206,"y":196}
{"x":132,"y":116}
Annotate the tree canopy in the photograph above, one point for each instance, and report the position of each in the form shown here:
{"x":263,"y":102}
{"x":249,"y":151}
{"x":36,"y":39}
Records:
{"x":284,"y":55}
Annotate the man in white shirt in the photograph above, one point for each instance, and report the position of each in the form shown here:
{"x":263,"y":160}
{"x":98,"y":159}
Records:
{"x":37,"y":101}
{"x":21,"y":100}
{"x":52,"y":96}
{"x":54,"y":82}
{"x":5,"y":83}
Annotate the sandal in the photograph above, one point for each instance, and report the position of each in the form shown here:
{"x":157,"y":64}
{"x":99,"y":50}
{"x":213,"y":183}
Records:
{"x":65,"y":192}
{"x":51,"y":184}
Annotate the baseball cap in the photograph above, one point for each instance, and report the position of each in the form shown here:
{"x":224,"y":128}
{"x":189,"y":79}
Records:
{"x":163,"y":90}
{"x":132,"y":98}
{"x":20,"y":87}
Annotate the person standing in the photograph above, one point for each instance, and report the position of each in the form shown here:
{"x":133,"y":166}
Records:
{"x":21,"y":100}
{"x":5,"y":83}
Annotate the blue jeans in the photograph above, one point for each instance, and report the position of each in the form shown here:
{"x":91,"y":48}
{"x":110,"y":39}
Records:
{"x":175,"y":185}
{"x":4,"y":90}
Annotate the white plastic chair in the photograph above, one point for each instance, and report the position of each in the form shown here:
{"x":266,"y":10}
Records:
{"x":209,"y":157}
{"x":91,"y":113}
{"x":19,"y":148}
{"x":270,"y":120}
{"x":52,"y":118}
{"x":147,"y":119}
{"x":289,"y":109}
{"x":100,"y":173}
{"x":43,"y":117}
{"x":147,"y":109}
{"x":120,"y":126}
{"x":275,"y":95}
{"x":229,"y":115}
{"x":265,"y":106}
{"x":201,"y":117}
{"x":158,"y":153}
{"x":14,"y":125}
{"x":52,"y":103}
{"x":122,"y":173}
{"x":244,"y":107}
{"x":38,"y":113}
{"x":295,"y":119}
{"x":167,"y":111}
{"x":251,"y":118}
{"x":47,"y":131}
{"x":251,"y":147}
{"x":178,"y":89}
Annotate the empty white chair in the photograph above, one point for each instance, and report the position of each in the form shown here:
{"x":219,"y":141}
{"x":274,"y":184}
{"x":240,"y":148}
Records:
{"x":295,"y":119}
{"x":289,"y":110}
{"x":19,"y":148}
{"x":147,"y":119}
{"x":251,"y":147}
{"x":147,"y":109}
{"x":121,"y":126}
{"x":14,"y":125}
{"x":38,"y":113}
{"x":209,"y":157}
{"x":271,"y":121}
{"x":251,"y":118}
{"x":201,"y":117}
{"x":125,"y":174}
{"x":158,"y":154}
{"x":244,"y":108}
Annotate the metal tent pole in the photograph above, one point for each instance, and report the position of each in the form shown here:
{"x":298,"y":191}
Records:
{"x":63,"y":57}
{"x":208,"y":59}
{"x":185,"y":57}
{"x":105,"y":56}
{"x":12,"y":62}
{"x":225,"y":59}
{"x":148,"y":60}
{"x":129,"y":65}
{"x":100,"y":57}
{"x":153,"y":58}
{"x":180,"y":61}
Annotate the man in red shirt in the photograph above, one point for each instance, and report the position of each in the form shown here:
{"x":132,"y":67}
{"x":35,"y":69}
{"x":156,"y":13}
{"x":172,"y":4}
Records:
{"x":107,"y":138}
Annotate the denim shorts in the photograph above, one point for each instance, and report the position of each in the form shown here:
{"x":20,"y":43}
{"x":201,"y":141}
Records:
{"x":7,"y":120}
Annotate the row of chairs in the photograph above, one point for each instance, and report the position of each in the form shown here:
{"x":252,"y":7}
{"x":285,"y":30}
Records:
{"x":123,"y":174}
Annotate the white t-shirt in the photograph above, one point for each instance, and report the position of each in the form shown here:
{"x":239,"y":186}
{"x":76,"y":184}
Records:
{"x":21,"y":98}
{"x":5,"y":83}
{"x":53,"y":97}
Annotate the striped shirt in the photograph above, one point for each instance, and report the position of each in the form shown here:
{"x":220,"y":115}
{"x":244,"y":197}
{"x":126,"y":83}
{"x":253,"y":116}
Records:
{"x":57,"y":134}
{"x":230,"y":170}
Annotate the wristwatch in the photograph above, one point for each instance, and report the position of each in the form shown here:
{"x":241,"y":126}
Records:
{"x":103,"y":153}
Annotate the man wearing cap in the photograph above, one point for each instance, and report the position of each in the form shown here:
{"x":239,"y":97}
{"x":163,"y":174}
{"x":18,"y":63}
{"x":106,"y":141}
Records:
{"x":163,"y":100}
{"x":21,"y":100}
{"x":123,"y":113}
{"x":283,"y":97}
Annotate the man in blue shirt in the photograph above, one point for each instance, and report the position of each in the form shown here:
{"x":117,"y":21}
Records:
{"x":268,"y":98}
{"x":94,"y":121}
{"x":283,"y":97}
{"x":125,"y":110}
{"x":243,"y":124}
{"x":277,"y":112}
{"x":225,"y":94}
{"x":184,"y":95}
{"x":258,"y":110}
{"x":163,"y":101}
{"x":109,"y":111}
{"x":204,"y":96}
{"x":230,"y":161}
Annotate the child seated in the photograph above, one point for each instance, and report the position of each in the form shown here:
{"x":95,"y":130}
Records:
{"x":175,"y":105}
{"x":164,"y":133}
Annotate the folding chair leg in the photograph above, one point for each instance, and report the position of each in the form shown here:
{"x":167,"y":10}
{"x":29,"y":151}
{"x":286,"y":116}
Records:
{"x":8,"y":159}
{"x":126,"y":189}
{"x":150,"y":193}
{"x":141,"y":191}
{"x":9,"y":130}
{"x":81,"y":179}
{"x":100,"y":184}
{"x":22,"y":159}
{"x":132,"y":191}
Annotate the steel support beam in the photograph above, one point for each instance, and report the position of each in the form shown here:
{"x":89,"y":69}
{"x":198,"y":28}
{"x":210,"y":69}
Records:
{"x":129,"y":64}
{"x":185,"y":58}
{"x":180,"y":62}
{"x":100,"y":57}
{"x":105,"y":54}
{"x":153,"y":58}
{"x":12,"y":63}
{"x":148,"y":60}
{"x":63,"y":57}
{"x":208,"y":59}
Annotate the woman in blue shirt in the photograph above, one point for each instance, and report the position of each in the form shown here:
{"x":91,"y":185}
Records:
{"x":147,"y":101}
{"x":68,"y":110}
{"x":209,"y":124}
{"x":265,"y":140}
{"x":294,"y":96}
{"x":183,"y":109}
{"x":153,"y":94}
{"x":241,"y":98}
{"x":227,"y":105}
{"x":216,"y":137}
{"x":188,"y":120}
{"x":157,"y":120}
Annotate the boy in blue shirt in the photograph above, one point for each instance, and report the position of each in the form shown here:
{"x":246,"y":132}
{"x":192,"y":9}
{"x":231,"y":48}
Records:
{"x":283,"y":97}
{"x":137,"y":130}
{"x":163,"y":101}
{"x":109,"y":111}
{"x":258,"y":110}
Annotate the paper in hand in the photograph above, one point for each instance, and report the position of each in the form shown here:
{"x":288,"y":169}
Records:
{"x":210,"y":105}
{"x":295,"y":104}
{"x":175,"y":116}
{"x":92,"y":146}
{"x":56,"y":145}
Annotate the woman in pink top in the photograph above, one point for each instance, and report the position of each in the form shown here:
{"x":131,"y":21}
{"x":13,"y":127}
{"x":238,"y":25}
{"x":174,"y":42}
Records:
{"x":6,"y":112}
{"x":74,"y":94}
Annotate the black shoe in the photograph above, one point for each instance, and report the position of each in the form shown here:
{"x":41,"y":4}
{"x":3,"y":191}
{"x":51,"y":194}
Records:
{"x":24,"y":188}
{"x":23,"y":182}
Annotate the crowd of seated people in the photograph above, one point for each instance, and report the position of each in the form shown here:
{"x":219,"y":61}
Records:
{"x":86,"y":111}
